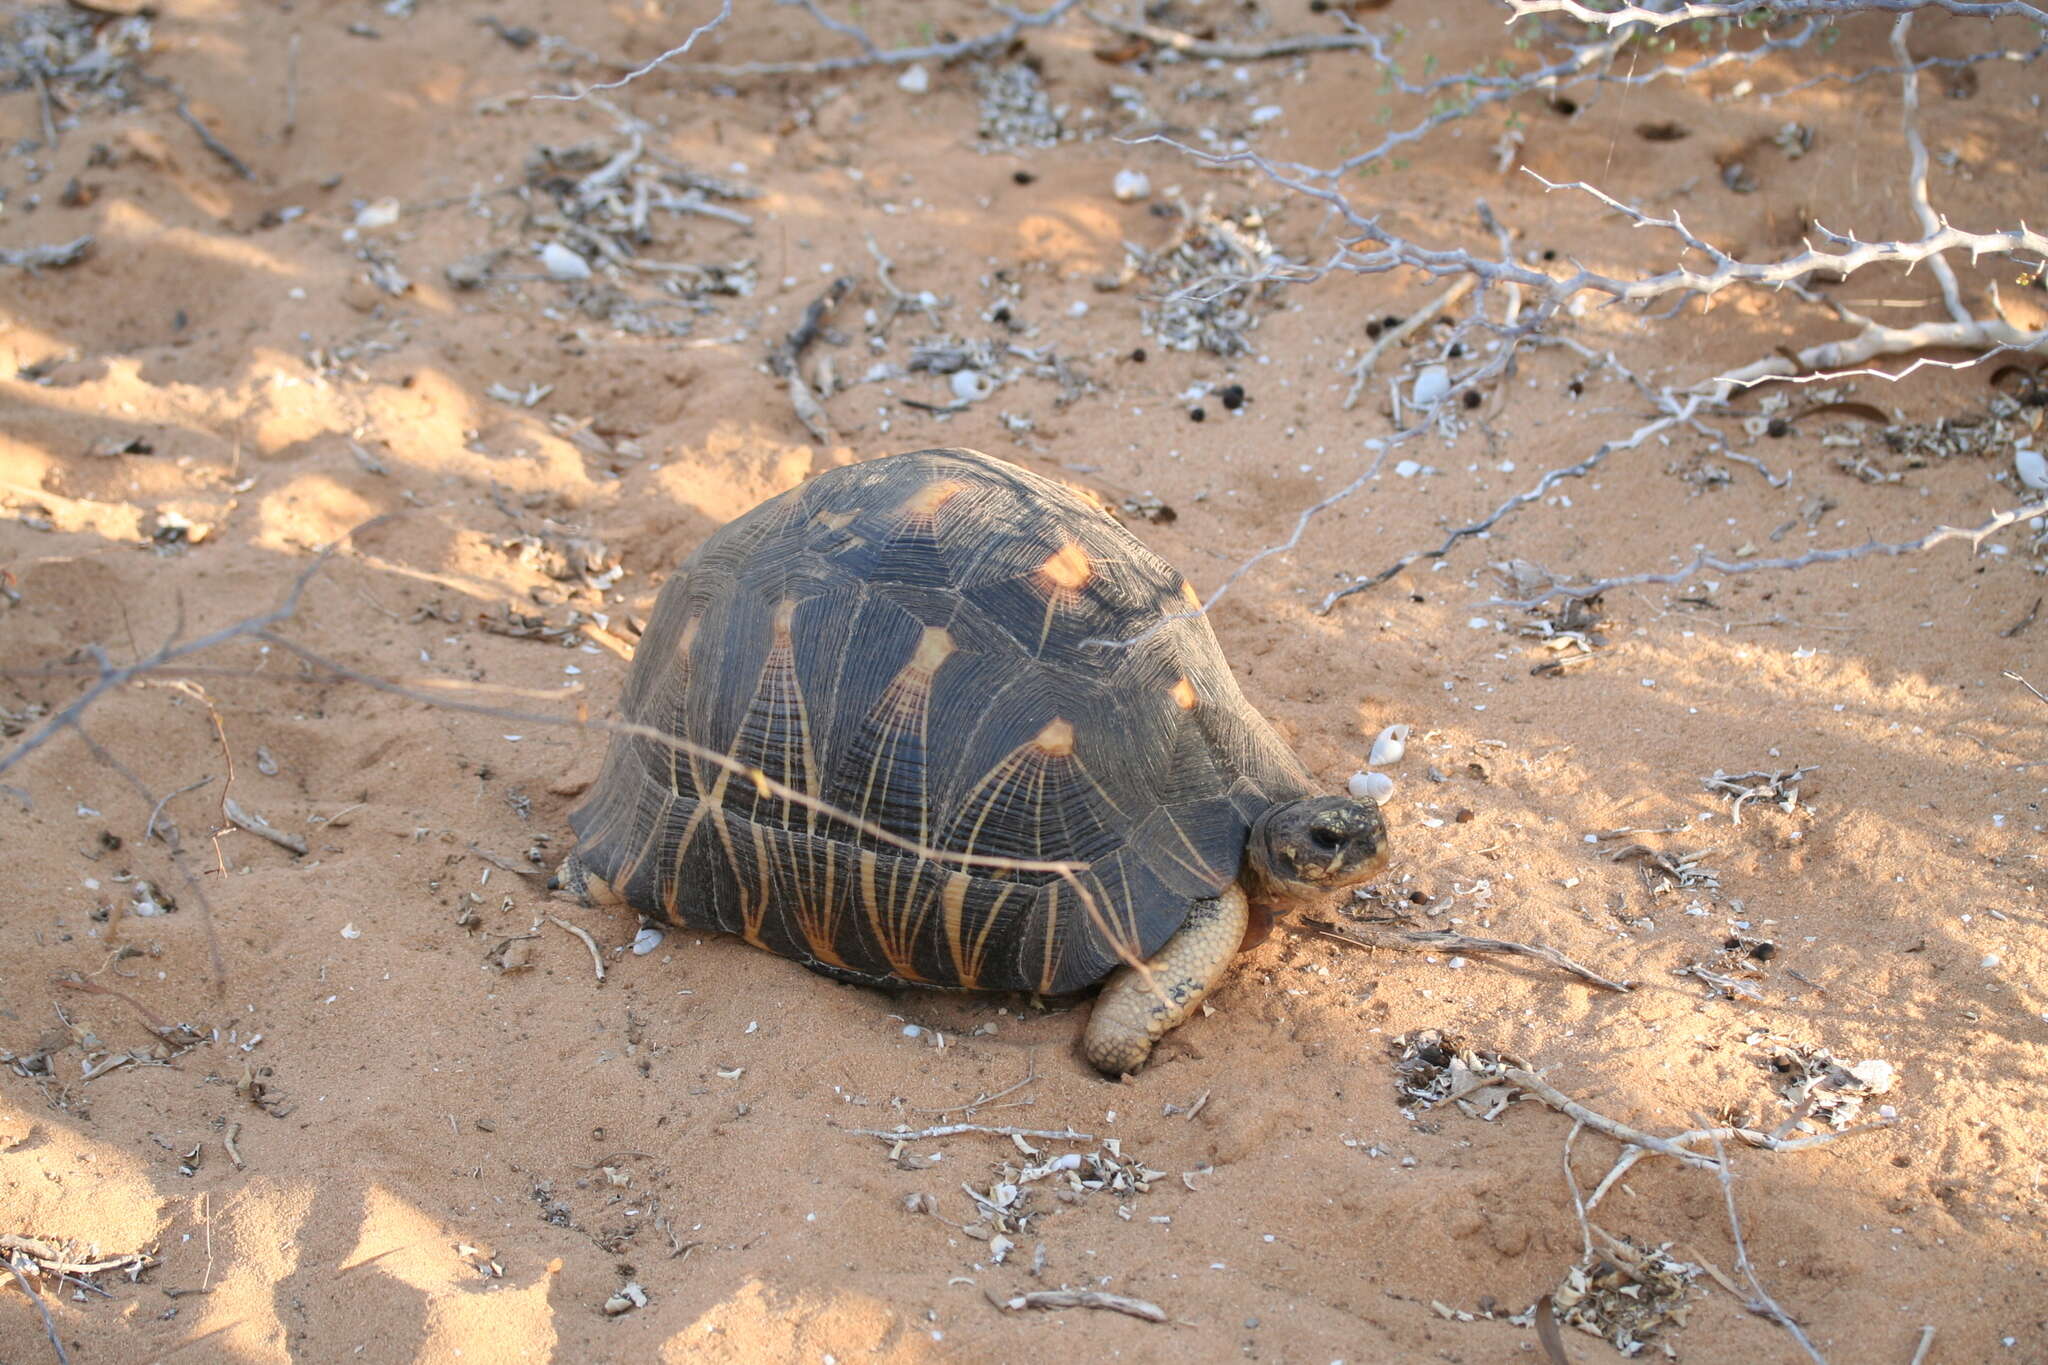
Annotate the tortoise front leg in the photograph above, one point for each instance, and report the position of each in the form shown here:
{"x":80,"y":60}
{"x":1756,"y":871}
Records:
{"x":1130,"y":1015}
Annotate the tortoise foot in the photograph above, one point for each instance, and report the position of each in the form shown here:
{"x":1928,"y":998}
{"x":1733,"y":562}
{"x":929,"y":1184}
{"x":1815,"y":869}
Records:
{"x":1133,"y":1014}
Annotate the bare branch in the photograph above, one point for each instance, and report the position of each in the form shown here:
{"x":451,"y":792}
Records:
{"x":1916,"y":178}
{"x":955,"y":1129}
{"x":1778,"y":9}
{"x":1762,"y":1304}
{"x":1703,"y":562}
{"x":1549,"y":480}
{"x":724,"y":13}
{"x":1207,"y":50}
{"x":1085,"y":1298}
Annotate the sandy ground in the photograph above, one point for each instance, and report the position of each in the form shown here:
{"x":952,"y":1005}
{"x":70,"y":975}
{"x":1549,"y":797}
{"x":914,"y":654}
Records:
{"x":455,"y":1146}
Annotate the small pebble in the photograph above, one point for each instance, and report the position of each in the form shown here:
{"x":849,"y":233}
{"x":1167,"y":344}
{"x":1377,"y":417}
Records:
{"x":1431,"y":385}
{"x":1197,"y":415}
{"x":1131,"y":186}
{"x":915,"y":81}
{"x":380,"y":213}
{"x":1408,"y":469}
{"x":1232,"y":396}
{"x":2032,"y":467}
{"x":646,"y":941}
{"x":562,"y":263}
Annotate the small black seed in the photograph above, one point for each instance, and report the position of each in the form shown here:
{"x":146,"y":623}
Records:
{"x":1472,"y":399}
{"x":1138,"y":356}
{"x":1764,"y":952}
{"x":1576,"y":389}
{"x":1550,"y":253}
{"x":1731,"y":942}
{"x":1391,"y":320}
{"x":1778,"y":427}
{"x":1233,"y":396}
{"x":1457,"y":349}
{"x":1196,"y":414}
{"x":1022,"y":177}
{"x":1566,"y":107}
{"x":1373,"y":329}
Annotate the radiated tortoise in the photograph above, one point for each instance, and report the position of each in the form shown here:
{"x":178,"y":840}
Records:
{"x":980,"y":662}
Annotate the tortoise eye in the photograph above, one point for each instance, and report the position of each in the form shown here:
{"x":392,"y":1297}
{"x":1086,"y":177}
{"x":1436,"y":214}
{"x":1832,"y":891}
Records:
{"x":1325,"y":838}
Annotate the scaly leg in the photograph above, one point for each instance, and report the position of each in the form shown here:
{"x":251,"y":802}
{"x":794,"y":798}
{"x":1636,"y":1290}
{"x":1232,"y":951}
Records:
{"x":1130,"y":1015}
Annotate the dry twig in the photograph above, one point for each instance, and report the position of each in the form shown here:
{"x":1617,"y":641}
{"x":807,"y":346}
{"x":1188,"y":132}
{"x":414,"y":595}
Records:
{"x":1085,"y":1298}
{"x":1446,"y":940}
{"x":596,"y":957}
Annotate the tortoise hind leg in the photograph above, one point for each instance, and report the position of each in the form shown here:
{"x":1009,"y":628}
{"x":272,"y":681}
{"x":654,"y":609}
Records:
{"x":576,"y":878}
{"x":1131,"y":1016}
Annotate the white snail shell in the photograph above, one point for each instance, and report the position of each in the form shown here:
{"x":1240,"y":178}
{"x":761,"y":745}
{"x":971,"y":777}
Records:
{"x":1371,"y":786}
{"x":1390,"y":746}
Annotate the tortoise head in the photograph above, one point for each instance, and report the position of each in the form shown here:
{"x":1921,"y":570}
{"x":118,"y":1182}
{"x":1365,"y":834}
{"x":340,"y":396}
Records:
{"x":1303,"y":848}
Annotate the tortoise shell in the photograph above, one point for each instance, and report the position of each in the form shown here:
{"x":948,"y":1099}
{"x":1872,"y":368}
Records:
{"x":972,"y":657}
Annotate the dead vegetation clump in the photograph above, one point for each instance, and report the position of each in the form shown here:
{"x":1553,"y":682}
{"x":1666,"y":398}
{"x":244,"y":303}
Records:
{"x":1627,"y":1297}
{"x":73,"y":58}
{"x":1016,"y":111}
{"x":1823,"y":1092}
{"x":1218,"y":274}
{"x":590,"y":219}
{"x":1433,"y":1068}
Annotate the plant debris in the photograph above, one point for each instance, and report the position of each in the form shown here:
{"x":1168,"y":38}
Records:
{"x":1627,"y":1297}
{"x":1822,"y":1091}
{"x":1015,"y":109}
{"x":1432,"y":1068}
{"x":1779,"y":788}
{"x":1218,"y":274}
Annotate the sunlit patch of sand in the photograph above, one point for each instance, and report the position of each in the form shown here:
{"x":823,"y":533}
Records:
{"x":128,"y":224}
{"x":252,"y":1240}
{"x":756,"y":1323}
{"x":60,"y":1186}
{"x":467,"y":1317}
{"x":746,"y":464}
{"x":1078,"y":239}
{"x":310,"y":510}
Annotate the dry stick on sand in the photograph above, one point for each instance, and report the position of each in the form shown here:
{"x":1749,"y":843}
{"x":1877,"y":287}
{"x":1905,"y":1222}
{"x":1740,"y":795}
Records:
{"x":724,"y":13}
{"x":1082,"y":1298}
{"x":21,"y":1269}
{"x":1762,"y":1304}
{"x":955,"y":1129}
{"x":1446,"y":940}
{"x":596,"y":957}
{"x":1702,"y":563}
{"x":1662,"y":17}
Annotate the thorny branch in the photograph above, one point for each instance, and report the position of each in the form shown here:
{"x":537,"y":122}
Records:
{"x":1703,"y":562}
{"x":1503,"y":282}
{"x":724,"y":13}
{"x":1662,"y":18}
